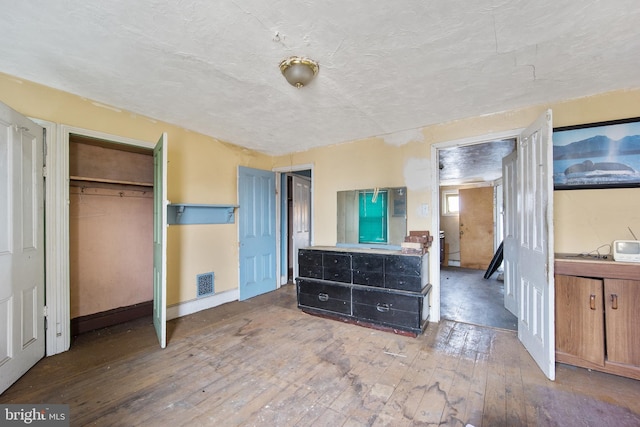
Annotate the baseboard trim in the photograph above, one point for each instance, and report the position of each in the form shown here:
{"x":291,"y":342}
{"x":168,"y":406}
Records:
{"x":193,"y":306}
{"x":91,"y":322}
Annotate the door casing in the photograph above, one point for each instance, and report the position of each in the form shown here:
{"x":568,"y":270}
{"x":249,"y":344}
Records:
{"x":434,"y":253}
{"x":57,"y":227}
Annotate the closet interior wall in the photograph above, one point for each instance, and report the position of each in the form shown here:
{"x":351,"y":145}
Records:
{"x":111,"y":232}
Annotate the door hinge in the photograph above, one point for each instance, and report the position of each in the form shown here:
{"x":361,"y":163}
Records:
{"x":44,"y":171}
{"x":45,"y":311}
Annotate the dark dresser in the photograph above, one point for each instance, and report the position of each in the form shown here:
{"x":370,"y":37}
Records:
{"x":372,"y":287}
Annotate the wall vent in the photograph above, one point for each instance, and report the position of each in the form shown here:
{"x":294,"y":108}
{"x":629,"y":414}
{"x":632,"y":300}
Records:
{"x":204,"y":284}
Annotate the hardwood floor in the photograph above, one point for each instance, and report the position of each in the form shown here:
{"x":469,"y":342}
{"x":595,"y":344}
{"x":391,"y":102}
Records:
{"x":262,"y":362}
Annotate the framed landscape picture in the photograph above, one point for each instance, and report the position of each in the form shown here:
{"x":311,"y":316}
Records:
{"x":597,"y":155}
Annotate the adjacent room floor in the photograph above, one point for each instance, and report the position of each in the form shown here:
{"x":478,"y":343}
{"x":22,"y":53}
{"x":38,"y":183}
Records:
{"x":466,"y":296}
{"x":263,"y":362}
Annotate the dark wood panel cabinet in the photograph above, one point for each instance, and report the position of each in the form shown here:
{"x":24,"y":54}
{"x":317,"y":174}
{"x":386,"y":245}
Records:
{"x":597,"y":317}
{"x":384,"y":289}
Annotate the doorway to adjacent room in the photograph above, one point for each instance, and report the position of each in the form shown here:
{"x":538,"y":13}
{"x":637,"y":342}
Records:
{"x":470,"y":184}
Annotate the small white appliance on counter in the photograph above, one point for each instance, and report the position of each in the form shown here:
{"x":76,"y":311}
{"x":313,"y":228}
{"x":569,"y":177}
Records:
{"x":626,"y":250}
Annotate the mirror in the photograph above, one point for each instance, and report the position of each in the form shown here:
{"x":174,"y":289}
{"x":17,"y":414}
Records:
{"x":372,"y":217}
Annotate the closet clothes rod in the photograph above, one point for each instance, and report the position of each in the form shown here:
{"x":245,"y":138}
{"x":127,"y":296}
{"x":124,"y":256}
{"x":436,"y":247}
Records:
{"x":110,"y":181}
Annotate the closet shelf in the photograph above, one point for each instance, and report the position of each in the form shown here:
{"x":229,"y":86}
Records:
{"x":110,"y":181}
{"x":189,"y":213}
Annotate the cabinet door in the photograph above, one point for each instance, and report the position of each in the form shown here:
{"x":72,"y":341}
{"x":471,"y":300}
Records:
{"x":622,"y":307}
{"x":580,"y":318}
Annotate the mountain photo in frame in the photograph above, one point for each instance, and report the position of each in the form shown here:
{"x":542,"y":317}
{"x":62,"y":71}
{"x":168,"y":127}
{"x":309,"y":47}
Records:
{"x":597,"y":155}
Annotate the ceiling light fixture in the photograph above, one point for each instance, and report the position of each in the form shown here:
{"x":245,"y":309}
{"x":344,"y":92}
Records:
{"x":299,"y":71}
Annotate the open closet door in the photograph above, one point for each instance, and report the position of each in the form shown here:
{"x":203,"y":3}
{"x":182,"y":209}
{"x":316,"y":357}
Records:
{"x":510,"y":251}
{"x":160,"y":203}
{"x":22,"y":327}
{"x":536,"y":322}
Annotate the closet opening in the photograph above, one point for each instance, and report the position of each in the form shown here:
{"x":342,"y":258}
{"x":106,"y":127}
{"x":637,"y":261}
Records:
{"x":110,"y":233}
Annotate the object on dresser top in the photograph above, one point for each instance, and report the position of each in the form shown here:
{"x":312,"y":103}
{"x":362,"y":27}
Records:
{"x":417,"y":242}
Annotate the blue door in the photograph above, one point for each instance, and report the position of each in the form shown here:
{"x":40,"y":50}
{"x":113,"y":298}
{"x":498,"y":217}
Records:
{"x":257,"y":229}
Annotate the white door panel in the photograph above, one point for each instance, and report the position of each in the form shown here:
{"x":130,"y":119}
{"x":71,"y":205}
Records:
{"x":510,"y":252}
{"x":535,"y":243}
{"x":301,"y":227}
{"x":160,"y":203}
{"x":22,"y":323}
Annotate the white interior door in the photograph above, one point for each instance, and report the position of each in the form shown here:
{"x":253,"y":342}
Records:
{"x":22,"y":326}
{"x":160,"y":203}
{"x":536,"y":320}
{"x":510,"y":237}
{"x":301,"y":221}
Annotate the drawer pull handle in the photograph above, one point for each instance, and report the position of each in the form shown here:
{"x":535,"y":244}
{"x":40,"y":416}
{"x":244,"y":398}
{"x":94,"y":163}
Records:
{"x":592,"y":302}
{"x":323,"y":297}
{"x":614,"y":301}
{"x":382,"y":308}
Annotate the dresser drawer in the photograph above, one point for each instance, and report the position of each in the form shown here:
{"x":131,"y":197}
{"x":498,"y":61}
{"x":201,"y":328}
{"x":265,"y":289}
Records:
{"x":310,"y":272}
{"x":310,"y":264}
{"x":336,"y":261}
{"x":368,"y":278}
{"x":403,"y":264}
{"x":368,"y":262}
{"x":336,"y":274}
{"x":403,"y":283}
{"x":324,"y":296}
{"x":392,"y":309}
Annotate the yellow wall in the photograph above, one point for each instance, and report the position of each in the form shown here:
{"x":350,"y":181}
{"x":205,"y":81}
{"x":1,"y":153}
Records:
{"x":584,"y":219}
{"x":201,"y":170}
{"x":204,"y":170}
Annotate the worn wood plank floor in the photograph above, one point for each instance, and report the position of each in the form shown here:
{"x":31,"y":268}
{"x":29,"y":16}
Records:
{"x":262,"y":362}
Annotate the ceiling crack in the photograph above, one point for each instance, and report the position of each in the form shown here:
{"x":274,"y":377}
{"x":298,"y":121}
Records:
{"x":338,"y":47}
{"x":495,"y":32}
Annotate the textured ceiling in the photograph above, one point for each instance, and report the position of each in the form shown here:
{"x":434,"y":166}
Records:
{"x":473,"y":163}
{"x":387,"y":68}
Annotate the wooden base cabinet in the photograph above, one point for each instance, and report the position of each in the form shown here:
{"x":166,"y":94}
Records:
{"x":579,"y":319}
{"x":622,"y":319}
{"x":598,"y":317}
{"x":383,"y":289}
